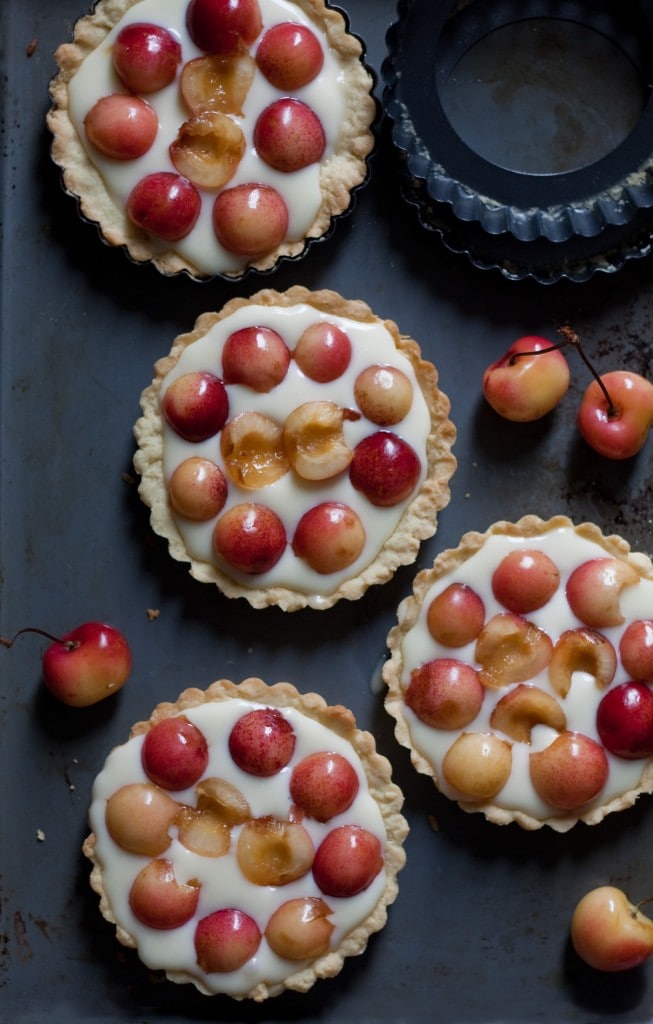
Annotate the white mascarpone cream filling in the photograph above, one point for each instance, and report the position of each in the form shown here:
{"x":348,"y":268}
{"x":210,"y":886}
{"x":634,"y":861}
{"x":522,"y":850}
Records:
{"x":568,"y":550}
{"x":290,"y":496}
{"x":299,"y":189}
{"x":222,"y":882}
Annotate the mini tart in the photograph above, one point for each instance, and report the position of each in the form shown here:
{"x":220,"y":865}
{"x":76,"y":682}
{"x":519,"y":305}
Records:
{"x":221,"y":860}
{"x":340,"y":96}
{"x":377,"y":539}
{"x":501,"y":702}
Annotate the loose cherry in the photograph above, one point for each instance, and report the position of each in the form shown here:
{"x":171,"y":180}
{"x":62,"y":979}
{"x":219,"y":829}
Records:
{"x":609,"y":932}
{"x":528,"y":381}
{"x":84,"y":666}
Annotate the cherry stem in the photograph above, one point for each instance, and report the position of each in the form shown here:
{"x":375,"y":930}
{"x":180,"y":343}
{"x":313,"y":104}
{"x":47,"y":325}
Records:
{"x":70,"y":644}
{"x":570,"y":337}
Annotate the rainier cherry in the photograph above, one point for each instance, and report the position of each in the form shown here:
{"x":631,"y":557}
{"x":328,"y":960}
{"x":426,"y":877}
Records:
{"x":300,"y":929}
{"x":525,"y":580}
{"x":198,"y":489}
{"x":223,"y":26}
{"x":289,"y":55}
{"x":289,"y":135}
{"x":445,"y":693}
{"x":456,"y":615}
{"x":570,"y":772}
{"x":329,"y":537}
{"x":122,"y":127}
{"x":146,"y":57}
{"x":196,"y":405}
{"x":250,"y":537}
{"x":159,"y":900}
{"x":225,"y":940}
{"x":175,"y":753}
{"x":528,"y":381}
{"x":323,"y":352}
{"x":250,"y":219}
{"x":384,"y":394}
{"x":262,"y":742}
{"x":636,"y":649}
{"x":164,"y":204}
{"x":257,"y":357}
{"x":385,"y":468}
{"x":347,"y":861}
{"x":84,"y":666}
{"x":323,"y":785}
{"x":624,"y":720}
{"x":616,"y":414}
{"x":609,"y":932}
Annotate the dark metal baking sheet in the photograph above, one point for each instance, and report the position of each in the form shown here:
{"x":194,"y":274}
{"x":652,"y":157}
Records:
{"x":479,"y":933}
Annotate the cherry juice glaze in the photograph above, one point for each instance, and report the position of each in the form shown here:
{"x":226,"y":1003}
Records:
{"x":300,"y":190}
{"x":567,"y":550}
{"x":289,"y":497}
{"x":222,"y":883}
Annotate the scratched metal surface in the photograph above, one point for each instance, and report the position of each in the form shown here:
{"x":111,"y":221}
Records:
{"x":479,"y":933}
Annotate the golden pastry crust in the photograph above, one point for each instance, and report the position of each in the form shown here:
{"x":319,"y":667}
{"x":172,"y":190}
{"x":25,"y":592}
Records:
{"x":419,"y":519}
{"x":395,"y":671}
{"x":385,"y":793}
{"x":340,"y":173}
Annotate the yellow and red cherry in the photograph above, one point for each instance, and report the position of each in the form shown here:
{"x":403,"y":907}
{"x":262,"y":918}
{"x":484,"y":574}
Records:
{"x":250,"y":537}
{"x":226,"y":940}
{"x":528,"y":381}
{"x":262,"y":742}
{"x":164,"y":204}
{"x":624,"y":720}
{"x":616,"y":414}
{"x":250,"y":219}
{"x":174,"y":753}
{"x":288,"y":135}
{"x":609,"y":932}
{"x":224,"y":27}
{"x":289,"y":55}
{"x":196,"y":405}
{"x":146,"y":57}
{"x":86,"y":665}
{"x":385,"y":468}
{"x":121,"y":127}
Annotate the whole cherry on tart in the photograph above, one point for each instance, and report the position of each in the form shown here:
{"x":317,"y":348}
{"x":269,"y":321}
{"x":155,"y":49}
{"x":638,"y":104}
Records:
{"x":86,"y":665}
{"x":262,"y":742}
{"x":196,"y":405}
{"x":289,"y":55}
{"x":528,"y":381}
{"x":385,"y":468}
{"x":329,"y":536}
{"x":250,"y":537}
{"x":323,"y":785}
{"x":323,"y":351}
{"x":624,"y":720}
{"x":636,"y":649}
{"x":347,"y":861}
{"x":175,"y":753}
{"x":164,"y":204}
{"x":609,"y":932}
{"x":146,"y":57}
{"x":255,"y":356}
{"x":225,"y":27}
{"x":288,"y":135}
{"x":250,"y":219}
{"x":122,"y":127}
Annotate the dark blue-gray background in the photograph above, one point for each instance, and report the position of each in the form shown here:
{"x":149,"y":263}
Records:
{"x":479,"y":932}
